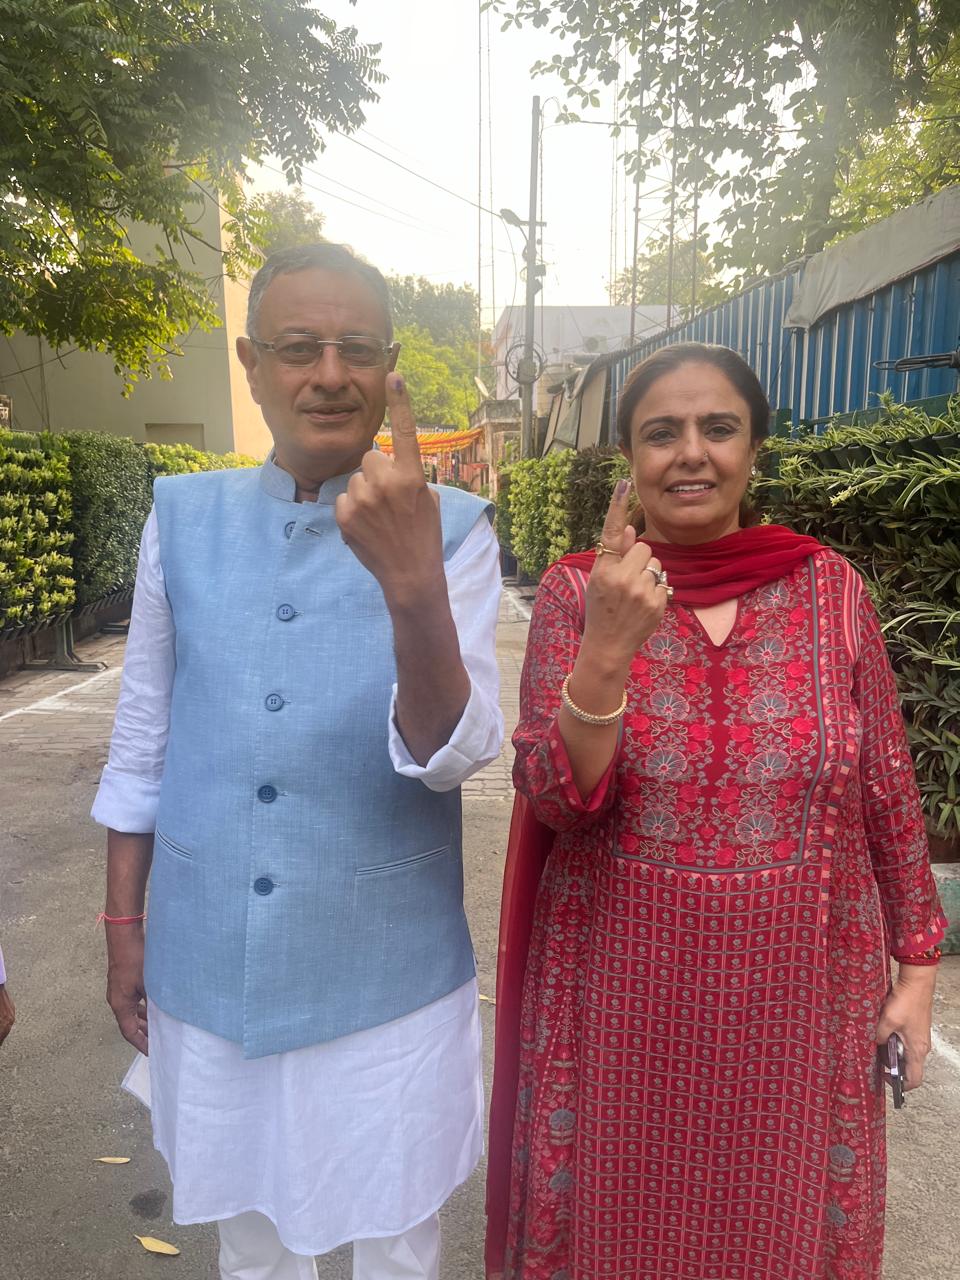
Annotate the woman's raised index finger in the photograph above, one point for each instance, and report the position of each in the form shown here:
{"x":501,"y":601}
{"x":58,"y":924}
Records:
{"x":617,"y":513}
{"x":403,"y":428}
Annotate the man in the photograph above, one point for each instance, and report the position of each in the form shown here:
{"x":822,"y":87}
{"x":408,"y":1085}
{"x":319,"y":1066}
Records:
{"x":309,"y":677}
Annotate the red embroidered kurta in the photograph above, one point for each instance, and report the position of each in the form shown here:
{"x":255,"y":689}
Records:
{"x":699,"y":1094}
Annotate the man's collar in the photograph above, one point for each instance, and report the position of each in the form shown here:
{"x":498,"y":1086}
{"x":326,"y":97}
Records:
{"x":281,"y":484}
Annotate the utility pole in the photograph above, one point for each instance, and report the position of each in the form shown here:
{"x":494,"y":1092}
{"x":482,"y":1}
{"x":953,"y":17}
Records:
{"x":528,"y":365}
{"x":636,"y":185}
{"x":673,"y":176}
{"x":696,"y":185}
{"x":636,"y":239}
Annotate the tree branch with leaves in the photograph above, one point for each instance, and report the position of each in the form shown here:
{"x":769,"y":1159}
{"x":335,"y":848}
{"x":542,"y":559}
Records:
{"x":115,"y":113}
{"x":774,"y":98}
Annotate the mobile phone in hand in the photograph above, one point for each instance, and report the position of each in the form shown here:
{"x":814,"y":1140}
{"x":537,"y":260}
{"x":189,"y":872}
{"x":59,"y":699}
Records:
{"x":892,"y":1058}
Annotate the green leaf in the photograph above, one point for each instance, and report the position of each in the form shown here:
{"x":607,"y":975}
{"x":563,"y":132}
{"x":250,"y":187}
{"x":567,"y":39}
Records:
{"x":137,"y":114}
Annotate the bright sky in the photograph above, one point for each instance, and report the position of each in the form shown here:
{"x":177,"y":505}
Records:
{"x":427,"y":119}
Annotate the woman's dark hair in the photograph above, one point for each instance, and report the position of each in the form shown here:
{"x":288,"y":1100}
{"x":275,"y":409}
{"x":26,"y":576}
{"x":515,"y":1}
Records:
{"x":667,"y":359}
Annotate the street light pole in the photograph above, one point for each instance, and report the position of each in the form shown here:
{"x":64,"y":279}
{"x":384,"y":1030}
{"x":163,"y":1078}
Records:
{"x":530,"y":255}
{"x":636,"y":186}
{"x":636,"y":236}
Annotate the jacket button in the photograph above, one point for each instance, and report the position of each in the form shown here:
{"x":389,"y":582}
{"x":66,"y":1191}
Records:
{"x":273,"y":701}
{"x":267,"y":793}
{"x":263,"y":885}
{"x":286,"y":612}
{"x":288,"y":528}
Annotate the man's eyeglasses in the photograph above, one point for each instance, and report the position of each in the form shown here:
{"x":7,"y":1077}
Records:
{"x":302,"y":349}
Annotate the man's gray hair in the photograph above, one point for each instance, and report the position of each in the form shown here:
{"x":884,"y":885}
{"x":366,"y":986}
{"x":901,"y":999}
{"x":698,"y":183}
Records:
{"x":315,"y":257}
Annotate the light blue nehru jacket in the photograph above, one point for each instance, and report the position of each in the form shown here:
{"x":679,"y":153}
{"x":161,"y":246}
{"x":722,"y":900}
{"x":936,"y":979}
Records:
{"x":300,"y":889}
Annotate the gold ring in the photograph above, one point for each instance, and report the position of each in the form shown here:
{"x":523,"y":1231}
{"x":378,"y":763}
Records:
{"x":601,"y":550}
{"x":669,"y":591}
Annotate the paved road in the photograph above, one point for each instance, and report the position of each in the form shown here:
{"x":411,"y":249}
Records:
{"x":65,"y":1217}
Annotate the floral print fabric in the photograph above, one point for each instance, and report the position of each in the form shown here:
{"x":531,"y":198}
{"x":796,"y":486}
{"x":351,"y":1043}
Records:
{"x":698,"y":1087}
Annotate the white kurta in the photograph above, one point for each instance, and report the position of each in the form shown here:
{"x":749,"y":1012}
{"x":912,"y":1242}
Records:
{"x":360,"y":1137}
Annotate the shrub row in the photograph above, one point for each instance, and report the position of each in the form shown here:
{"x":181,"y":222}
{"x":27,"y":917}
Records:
{"x":886,"y":496}
{"x":36,"y":569}
{"x":72,"y":507}
{"x":549,"y":506}
{"x":110,"y":480}
{"x":538,"y":509}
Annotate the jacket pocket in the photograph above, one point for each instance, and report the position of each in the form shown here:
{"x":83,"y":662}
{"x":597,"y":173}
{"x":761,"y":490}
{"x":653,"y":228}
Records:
{"x":176,"y":849}
{"x":414,"y":860}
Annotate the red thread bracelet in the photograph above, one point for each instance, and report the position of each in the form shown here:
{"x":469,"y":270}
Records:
{"x":121,"y":919}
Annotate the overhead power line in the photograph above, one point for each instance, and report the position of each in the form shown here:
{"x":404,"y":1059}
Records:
{"x":325,"y":177}
{"x":422,"y":177}
{"x":493,"y":216}
{"x":332,"y":195}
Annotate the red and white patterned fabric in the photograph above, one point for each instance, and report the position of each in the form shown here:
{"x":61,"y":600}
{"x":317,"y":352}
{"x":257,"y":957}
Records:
{"x":698,"y":1090}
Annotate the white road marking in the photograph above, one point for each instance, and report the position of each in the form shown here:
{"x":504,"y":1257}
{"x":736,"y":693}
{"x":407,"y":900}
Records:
{"x":945,"y":1050}
{"x":77,"y":711}
{"x":49,"y":702}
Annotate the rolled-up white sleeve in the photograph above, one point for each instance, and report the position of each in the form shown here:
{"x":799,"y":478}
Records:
{"x":129,"y":790}
{"x":473,"y":587}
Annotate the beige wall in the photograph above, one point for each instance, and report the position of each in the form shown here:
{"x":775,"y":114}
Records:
{"x":250,"y":432}
{"x":207,"y":395}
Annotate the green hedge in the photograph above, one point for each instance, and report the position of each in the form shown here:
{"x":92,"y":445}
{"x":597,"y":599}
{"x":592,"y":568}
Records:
{"x":179,"y":459}
{"x":886,"y":496}
{"x":549,"y":506}
{"x":537,"y":498}
{"x":593,"y":475}
{"x":36,"y":580}
{"x":503,"y":521}
{"x":110,"y":480}
{"x":72,"y":508}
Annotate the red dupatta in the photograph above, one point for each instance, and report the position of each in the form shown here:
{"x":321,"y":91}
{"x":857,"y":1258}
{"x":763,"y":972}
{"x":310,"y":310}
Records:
{"x":708,"y":573}
{"x":701,"y":575}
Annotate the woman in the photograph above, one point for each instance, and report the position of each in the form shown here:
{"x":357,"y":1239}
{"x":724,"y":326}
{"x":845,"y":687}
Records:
{"x":7,"y":1011}
{"x":715,"y":784}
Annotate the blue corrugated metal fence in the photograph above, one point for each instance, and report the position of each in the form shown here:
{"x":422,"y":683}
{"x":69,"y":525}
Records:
{"x":829,"y":368}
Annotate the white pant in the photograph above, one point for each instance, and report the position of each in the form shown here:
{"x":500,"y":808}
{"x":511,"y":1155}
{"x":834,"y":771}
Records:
{"x":250,"y":1249}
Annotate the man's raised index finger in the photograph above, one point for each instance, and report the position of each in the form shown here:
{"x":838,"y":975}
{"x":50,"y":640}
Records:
{"x":403,"y":428}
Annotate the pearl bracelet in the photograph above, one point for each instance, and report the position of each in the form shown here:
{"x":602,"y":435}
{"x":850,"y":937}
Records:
{"x":579,"y":714}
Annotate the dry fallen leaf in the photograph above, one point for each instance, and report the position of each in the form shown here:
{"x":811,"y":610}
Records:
{"x":113,"y":1159}
{"x":488,"y":999}
{"x":158,"y":1246}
